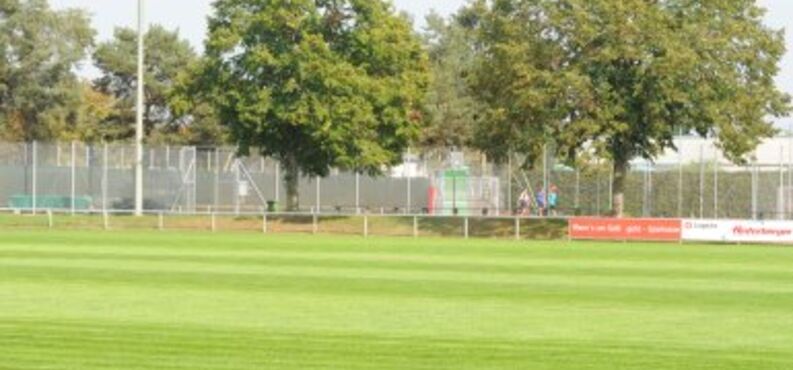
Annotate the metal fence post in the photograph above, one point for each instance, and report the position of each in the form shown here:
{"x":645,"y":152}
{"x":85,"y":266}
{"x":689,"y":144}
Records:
{"x":365,"y":226}
{"x":73,"y":176}
{"x":701,"y":181}
{"x":517,"y":228}
{"x":545,"y":177}
{"x":645,"y":190}
{"x":264,"y":223}
{"x":104,"y":177}
{"x":314,"y":223}
{"x":216,"y":194}
{"x":790,"y":175}
{"x":277,"y":184}
{"x":680,"y":183}
{"x":754,"y":189}
{"x":408,"y":204}
{"x":597,"y":192}
{"x":611,"y":187}
{"x":454,"y":194}
{"x":650,"y":190}
{"x":161,"y":221}
{"x":415,"y":226}
{"x":50,"y":221}
{"x":237,"y":183}
{"x":34,"y":176}
{"x":357,"y":192}
{"x":465,"y":227}
{"x":789,"y":189}
{"x":715,"y":184}
{"x":105,"y":221}
{"x":577,"y":199}
{"x":781,"y":191}
{"x":212,"y":221}
{"x":509,"y":183}
{"x":319,"y":196}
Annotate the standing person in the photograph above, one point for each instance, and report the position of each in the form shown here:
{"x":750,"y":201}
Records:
{"x":541,"y":201}
{"x":553,"y":199}
{"x":524,"y":201}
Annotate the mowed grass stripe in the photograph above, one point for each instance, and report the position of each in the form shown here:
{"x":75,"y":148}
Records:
{"x":199,"y":348}
{"x":527,"y":262}
{"x":157,"y":345}
{"x":524,"y":287}
{"x":350,"y":275}
{"x":412,"y":316}
{"x":512,"y":287}
{"x":226,"y":301}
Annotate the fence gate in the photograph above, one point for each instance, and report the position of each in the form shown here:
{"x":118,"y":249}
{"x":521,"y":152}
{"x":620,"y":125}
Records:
{"x":186,"y":196}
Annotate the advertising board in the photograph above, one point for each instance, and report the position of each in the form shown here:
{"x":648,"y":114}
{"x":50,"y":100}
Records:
{"x":739,"y":231}
{"x":625,"y":229}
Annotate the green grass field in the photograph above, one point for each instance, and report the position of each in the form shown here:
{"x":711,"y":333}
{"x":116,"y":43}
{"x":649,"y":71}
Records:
{"x":147,"y":300}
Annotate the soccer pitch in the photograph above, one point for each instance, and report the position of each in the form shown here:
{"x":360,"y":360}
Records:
{"x":121,"y":300}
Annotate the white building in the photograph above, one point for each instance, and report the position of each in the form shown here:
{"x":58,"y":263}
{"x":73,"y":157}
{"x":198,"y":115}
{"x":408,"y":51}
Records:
{"x":772,"y":153}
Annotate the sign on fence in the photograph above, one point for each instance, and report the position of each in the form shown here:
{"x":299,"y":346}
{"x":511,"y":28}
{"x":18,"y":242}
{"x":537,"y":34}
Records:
{"x":738,"y":231}
{"x":625,"y":229}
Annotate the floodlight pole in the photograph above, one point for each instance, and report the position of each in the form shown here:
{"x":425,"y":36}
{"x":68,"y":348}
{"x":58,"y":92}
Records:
{"x":139,"y":118}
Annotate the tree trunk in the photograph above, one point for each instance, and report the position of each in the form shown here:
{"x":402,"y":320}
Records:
{"x":291,"y":178}
{"x":621,"y":168}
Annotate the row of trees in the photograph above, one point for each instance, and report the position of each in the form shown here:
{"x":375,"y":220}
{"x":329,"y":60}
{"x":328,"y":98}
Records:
{"x":613,"y":79}
{"x":317,"y":84}
{"x":42,"y":97}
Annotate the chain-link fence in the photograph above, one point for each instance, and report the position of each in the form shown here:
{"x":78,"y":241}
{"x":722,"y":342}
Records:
{"x":695,"y":182}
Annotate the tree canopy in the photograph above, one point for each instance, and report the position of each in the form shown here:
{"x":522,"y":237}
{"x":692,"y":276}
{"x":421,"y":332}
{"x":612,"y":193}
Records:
{"x":40,"y":49}
{"x":450,"y":107}
{"x":167,"y":56}
{"x":316,"y":83}
{"x":620,"y":79}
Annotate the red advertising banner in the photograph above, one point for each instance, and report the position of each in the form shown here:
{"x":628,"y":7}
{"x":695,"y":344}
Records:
{"x":625,"y":229}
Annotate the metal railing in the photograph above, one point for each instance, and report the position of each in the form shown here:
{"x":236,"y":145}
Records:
{"x":364,"y":225}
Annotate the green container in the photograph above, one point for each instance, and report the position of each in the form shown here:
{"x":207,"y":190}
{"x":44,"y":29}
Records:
{"x":25,"y":201}
{"x":455,"y":191}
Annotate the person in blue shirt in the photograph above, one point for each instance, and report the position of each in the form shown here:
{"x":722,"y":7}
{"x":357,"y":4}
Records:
{"x":541,"y":201}
{"x":553,"y":199}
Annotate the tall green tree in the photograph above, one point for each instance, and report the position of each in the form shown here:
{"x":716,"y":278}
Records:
{"x":167,"y":56}
{"x":619,"y":79}
{"x":40,"y":49}
{"x":316,"y":83}
{"x":199,"y":122}
{"x":450,"y":108}
{"x":83,"y":117}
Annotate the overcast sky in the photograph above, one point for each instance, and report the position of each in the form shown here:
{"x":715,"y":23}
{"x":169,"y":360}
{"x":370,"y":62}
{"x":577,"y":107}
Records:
{"x":189,"y":16}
